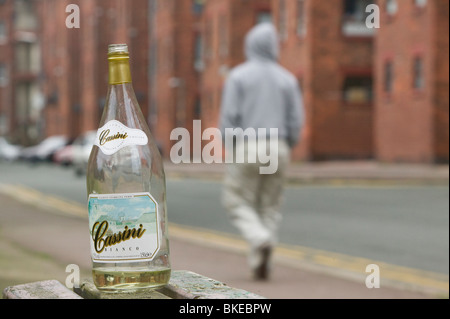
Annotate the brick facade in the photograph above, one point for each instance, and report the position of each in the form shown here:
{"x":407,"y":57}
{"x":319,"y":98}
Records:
{"x":75,"y":66}
{"x":379,"y":94}
{"x":441,"y":83}
{"x":316,"y":50}
{"x":20,"y":96}
{"x":225,"y":25}
{"x":174,"y":80}
{"x":411,"y":121}
{"x":6,"y":55}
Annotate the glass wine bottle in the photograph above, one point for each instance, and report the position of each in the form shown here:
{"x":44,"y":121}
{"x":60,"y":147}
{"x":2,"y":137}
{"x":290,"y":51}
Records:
{"x":126,"y":191}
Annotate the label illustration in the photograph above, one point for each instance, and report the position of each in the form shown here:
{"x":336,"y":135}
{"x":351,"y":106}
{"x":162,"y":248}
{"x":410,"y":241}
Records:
{"x":123,"y":227}
{"x":114,"y":136}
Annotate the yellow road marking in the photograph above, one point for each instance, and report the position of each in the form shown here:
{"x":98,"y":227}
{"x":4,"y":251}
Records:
{"x":292,"y":255}
{"x":39,"y":199}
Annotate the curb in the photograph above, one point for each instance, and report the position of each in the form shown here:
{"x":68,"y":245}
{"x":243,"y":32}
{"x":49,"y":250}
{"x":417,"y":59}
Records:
{"x":420,"y":175}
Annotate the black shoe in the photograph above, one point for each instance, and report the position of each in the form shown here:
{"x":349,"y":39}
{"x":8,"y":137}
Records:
{"x":262,"y":271}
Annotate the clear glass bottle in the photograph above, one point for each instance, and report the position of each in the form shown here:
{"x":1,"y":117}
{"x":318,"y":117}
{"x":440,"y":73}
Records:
{"x":127,"y":192}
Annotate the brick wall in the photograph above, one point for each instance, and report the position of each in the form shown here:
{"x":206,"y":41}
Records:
{"x":75,"y":60}
{"x":176,"y":80}
{"x":6,"y":56}
{"x":322,"y":57}
{"x":441,"y":90}
{"x":295,"y":55}
{"x":407,"y":117}
{"x":225,"y":25}
{"x":173,"y":86}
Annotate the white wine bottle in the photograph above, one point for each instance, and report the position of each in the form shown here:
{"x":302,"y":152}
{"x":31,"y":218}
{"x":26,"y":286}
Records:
{"x":126,"y":192}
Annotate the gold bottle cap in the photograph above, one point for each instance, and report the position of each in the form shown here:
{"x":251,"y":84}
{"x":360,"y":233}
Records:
{"x":119,"y":68}
{"x":117,"y":48}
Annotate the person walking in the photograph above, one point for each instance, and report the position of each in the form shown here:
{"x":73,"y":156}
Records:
{"x":259,"y":94}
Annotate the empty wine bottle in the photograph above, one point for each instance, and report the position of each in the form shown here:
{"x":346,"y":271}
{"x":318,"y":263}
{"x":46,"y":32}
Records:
{"x":126,"y":191}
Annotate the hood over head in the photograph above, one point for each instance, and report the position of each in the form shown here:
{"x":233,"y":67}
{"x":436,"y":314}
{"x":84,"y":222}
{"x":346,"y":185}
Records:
{"x":262,"y":43}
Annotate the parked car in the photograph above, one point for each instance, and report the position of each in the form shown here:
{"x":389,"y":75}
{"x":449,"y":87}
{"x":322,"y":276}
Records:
{"x":44,"y":150}
{"x":8,"y":151}
{"x":82,"y":150}
{"x":64,"y":156}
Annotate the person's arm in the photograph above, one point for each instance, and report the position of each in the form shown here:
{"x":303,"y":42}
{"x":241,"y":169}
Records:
{"x":295,"y":115}
{"x":229,"y":113}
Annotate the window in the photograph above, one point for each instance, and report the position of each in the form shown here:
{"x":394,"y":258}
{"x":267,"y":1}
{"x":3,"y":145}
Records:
{"x":391,"y":7}
{"x":282,"y":20}
{"x":198,"y":53}
{"x":420,"y":3}
{"x":263,"y":16}
{"x":388,"y":77}
{"x":354,"y":18}
{"x":209,"y":25}
{"x":25,"y":17}
{"x":23,"y":56}
{"x":198,"y":108}
{"x":358,"y":89}
{"x":301,"y":18}
{"x":3,"y":32}
{"x":197,"y":6}
{"x":3,"y":75}
{"x":223,"y":36}
{"x":418,"y":78}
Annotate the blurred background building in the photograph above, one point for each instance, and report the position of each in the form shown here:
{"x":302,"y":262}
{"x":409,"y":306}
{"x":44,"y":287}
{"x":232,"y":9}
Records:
{"x":369,"y":93}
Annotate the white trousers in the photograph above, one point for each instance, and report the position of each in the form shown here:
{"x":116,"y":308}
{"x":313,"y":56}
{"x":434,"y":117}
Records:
{"x":253,"y":199}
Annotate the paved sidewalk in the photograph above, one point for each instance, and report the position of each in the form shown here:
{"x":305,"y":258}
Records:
{"x":332,"y":171}
{"x":37,"y":244}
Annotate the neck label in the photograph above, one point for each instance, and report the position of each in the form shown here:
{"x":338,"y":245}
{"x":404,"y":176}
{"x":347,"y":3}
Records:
{"x":114,"y":136}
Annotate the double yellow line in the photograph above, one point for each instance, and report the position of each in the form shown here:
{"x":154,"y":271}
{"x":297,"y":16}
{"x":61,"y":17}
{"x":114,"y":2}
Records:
{"x":350,"y":267}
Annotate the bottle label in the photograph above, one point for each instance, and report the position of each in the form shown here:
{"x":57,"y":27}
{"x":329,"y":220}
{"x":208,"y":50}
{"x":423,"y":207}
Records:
{"x":123,"y":227}
{"x":114,"y":136}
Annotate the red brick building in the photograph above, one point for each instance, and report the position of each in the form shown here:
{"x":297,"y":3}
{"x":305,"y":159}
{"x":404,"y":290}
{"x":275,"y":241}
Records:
{"x":6,"y":51}
{"x":75,"y":66}
{"x":175,"y":44}
{"x":330,"y":50}
{"x":224,"y":27}
{"x":335,"y":74}
{"x":369,"y":93}
{"x":412,"y":78}
{"x":20,"y":94}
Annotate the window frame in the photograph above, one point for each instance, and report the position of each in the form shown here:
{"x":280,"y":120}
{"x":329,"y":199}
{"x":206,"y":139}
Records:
{"x":353,"y":26}
{"x":418,"y":74}
{"x":388,"y":84}
{"x":283,"y":20}
{"x":362,"y":74}
{"x":301,"y":27}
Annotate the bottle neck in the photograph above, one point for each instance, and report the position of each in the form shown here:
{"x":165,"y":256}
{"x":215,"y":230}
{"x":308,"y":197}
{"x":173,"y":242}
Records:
{"x":119,"y":69}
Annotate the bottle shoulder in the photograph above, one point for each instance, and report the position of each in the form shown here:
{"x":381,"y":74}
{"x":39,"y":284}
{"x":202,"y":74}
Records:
{"x":133,"y":169}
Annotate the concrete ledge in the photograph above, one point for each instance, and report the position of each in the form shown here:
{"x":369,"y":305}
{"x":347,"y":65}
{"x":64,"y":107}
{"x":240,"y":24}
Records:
{"x":189,"y":285}
{"x":50,"y":289}
{"x":182,"y":285}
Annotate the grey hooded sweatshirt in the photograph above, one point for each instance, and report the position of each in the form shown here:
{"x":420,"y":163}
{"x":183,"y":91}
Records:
{"x":260,"y":93}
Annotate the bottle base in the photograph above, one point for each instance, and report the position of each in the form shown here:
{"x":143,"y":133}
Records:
{"x":121,"y":281}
